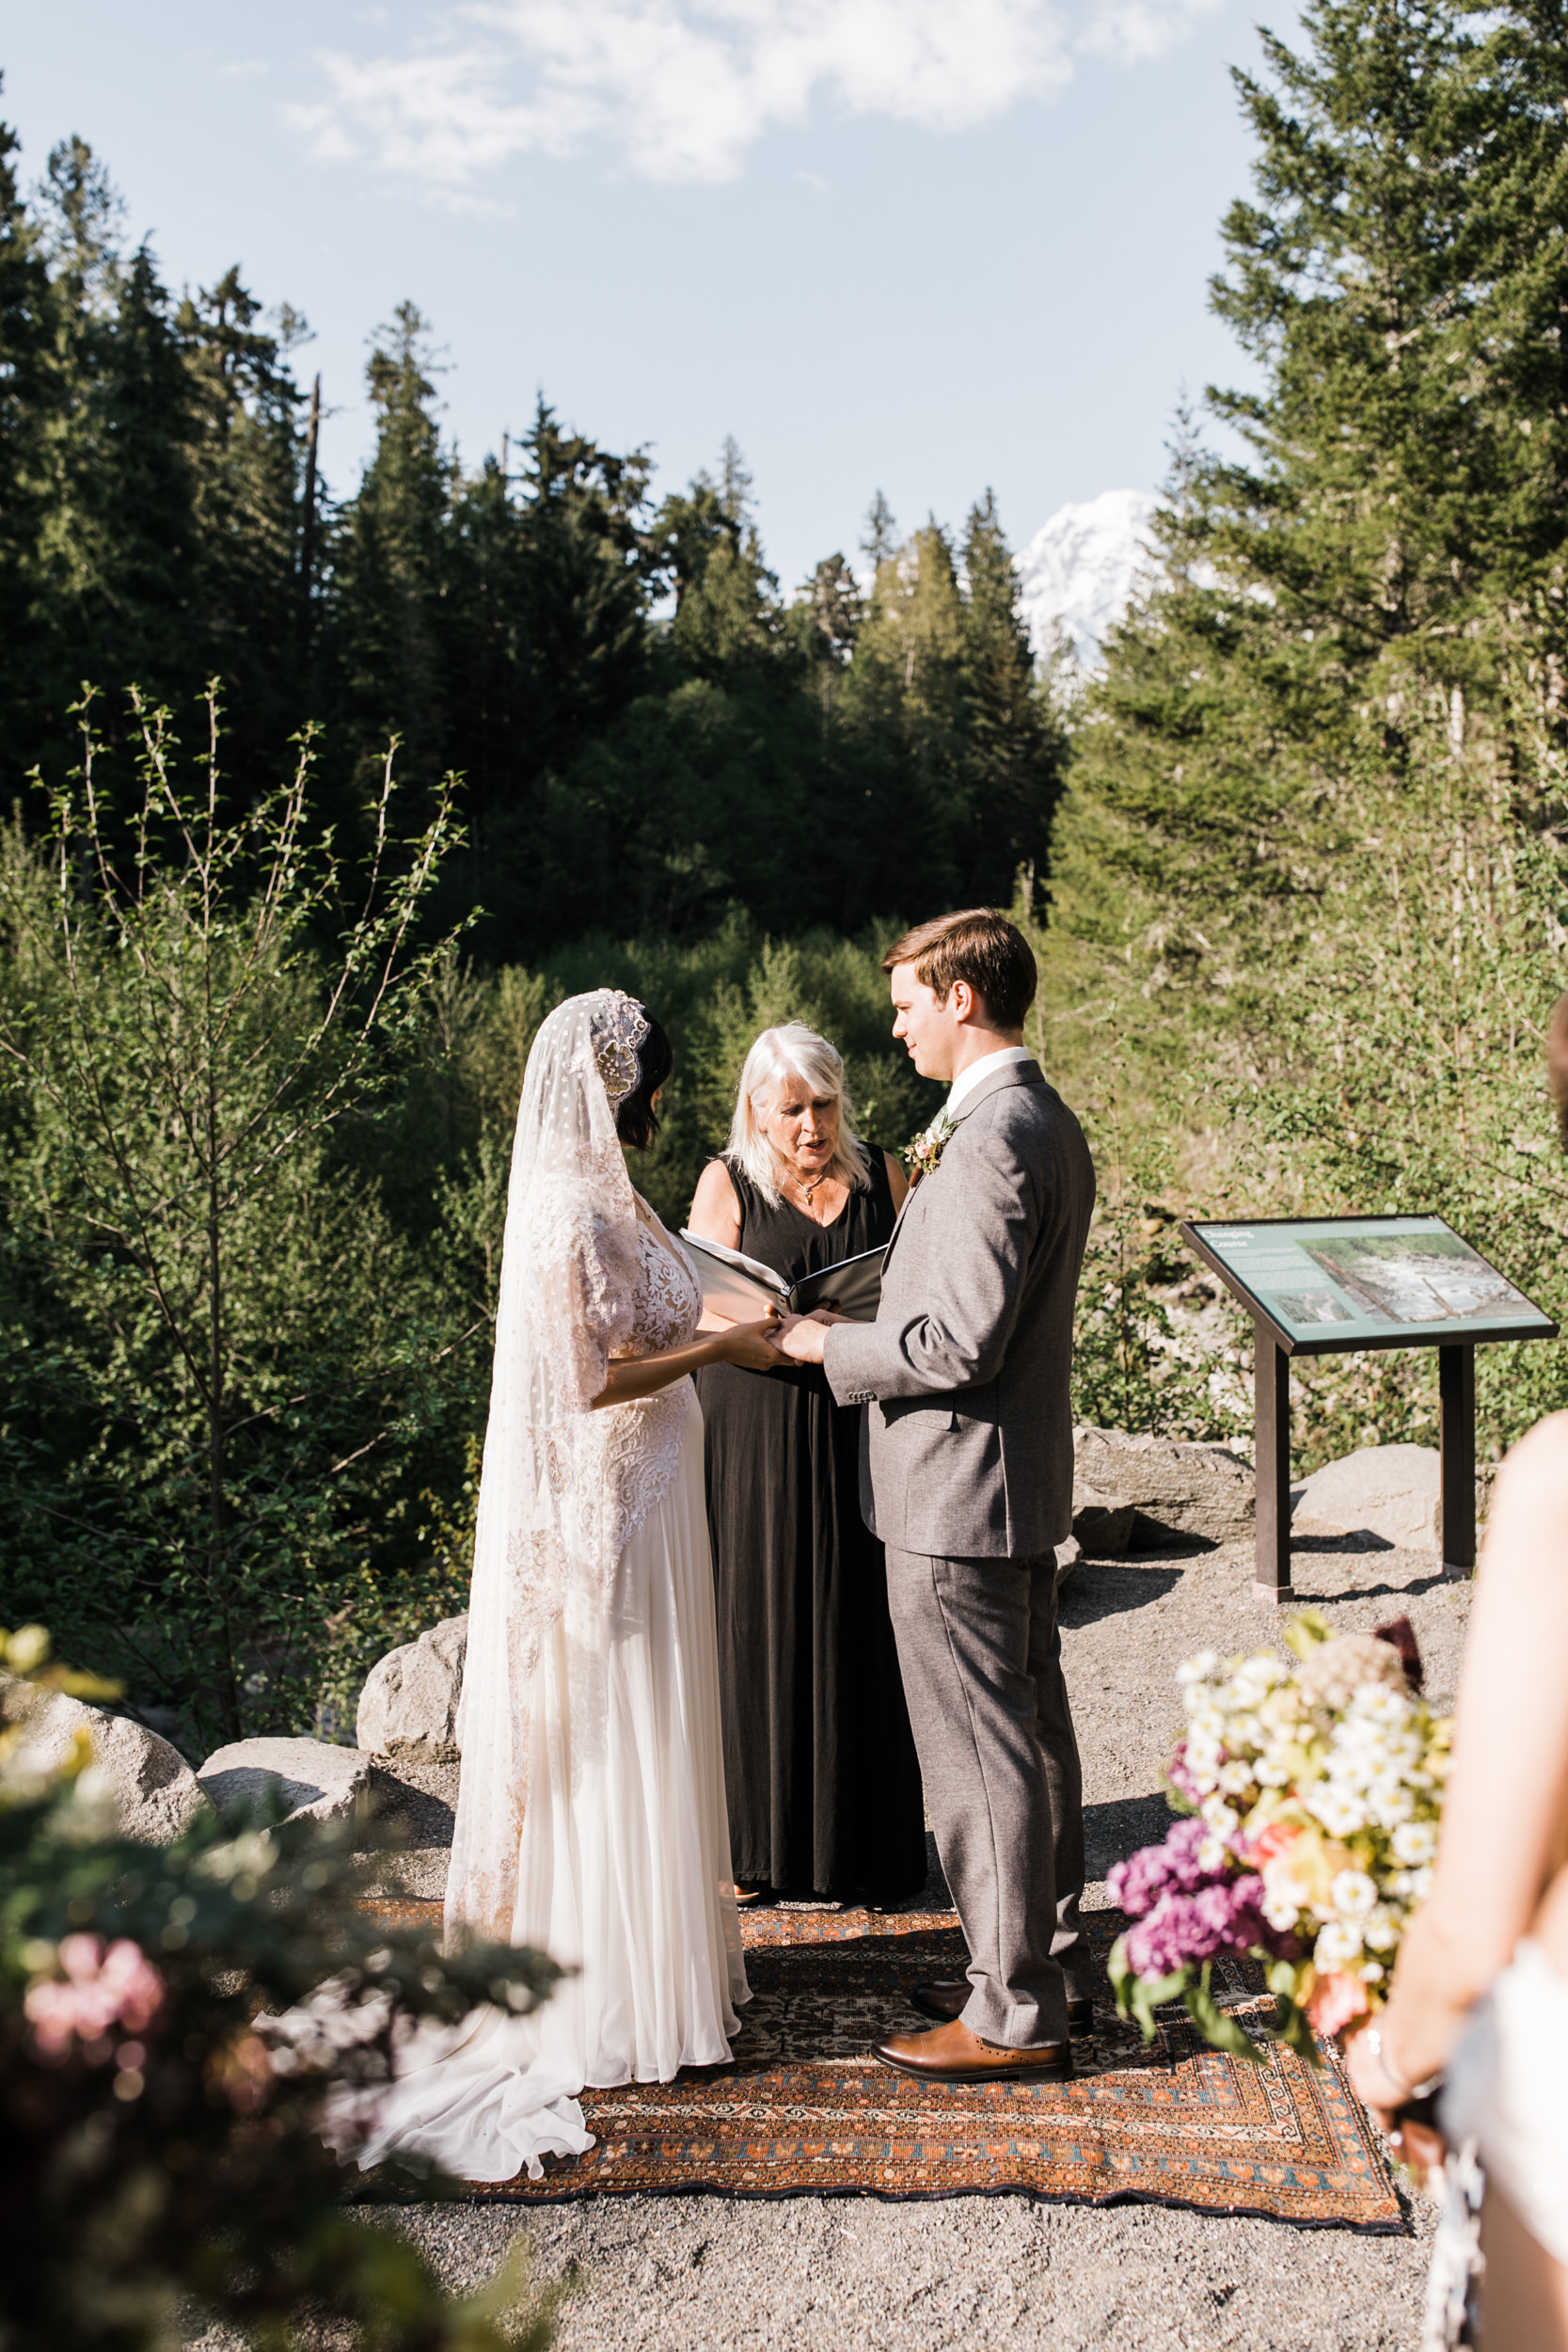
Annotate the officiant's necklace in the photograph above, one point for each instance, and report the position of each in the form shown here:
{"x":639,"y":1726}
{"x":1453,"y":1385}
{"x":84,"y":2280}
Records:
{"x":801,"y":1185}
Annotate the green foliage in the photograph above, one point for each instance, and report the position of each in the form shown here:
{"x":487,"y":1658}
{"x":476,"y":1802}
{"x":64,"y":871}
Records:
{"x":167,"y":2148}
{"x":214,"y":1346}
{"x":1398,"y":533}
{"x":622,"y":765}
{"x":1311,"y":848}
{"x":1409,"y":1078}
{"x":714,"y":997}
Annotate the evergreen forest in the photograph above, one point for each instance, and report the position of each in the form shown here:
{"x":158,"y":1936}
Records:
{"x":317,"y":796}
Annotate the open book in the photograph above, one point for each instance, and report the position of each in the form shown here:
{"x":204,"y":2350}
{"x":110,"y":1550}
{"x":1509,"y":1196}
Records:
{"x":745,"y":1289}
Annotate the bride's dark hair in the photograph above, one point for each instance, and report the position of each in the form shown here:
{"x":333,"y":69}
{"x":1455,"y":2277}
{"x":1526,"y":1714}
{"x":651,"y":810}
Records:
{"x":636,"y":1120}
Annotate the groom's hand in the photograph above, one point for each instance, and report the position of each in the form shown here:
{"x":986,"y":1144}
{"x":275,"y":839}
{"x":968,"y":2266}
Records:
{"x":801,"y":1338}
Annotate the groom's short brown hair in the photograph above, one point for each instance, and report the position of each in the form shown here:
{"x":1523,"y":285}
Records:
{"x":976,"y":946}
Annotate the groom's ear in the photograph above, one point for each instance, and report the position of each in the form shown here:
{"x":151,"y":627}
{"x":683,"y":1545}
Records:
{"x":961,"y":1000}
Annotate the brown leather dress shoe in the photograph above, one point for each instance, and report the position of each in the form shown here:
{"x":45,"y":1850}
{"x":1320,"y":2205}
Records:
{"x":946,"y":1997}
{"x":953,"y":2055}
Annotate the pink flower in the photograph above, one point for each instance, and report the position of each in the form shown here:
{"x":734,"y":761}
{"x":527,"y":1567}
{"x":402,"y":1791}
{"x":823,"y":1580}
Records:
{"x":1180,"y":1778}
{"x":1136,"y":1884}
{"x":105,"y":1986}
{"x":1335,"y":2001}
{"x":1273,"y":1840}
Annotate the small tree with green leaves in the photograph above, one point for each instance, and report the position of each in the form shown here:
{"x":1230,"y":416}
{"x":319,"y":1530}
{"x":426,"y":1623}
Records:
{"x":204,"y":1330}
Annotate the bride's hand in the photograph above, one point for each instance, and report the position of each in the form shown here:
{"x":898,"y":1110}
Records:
{"x":752,"y":1345}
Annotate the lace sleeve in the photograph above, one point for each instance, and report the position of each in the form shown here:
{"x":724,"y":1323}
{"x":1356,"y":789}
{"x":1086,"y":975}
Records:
{"x":581,"y":1282}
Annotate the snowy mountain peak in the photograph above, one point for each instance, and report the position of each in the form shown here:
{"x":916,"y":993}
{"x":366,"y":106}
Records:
{"x":1079,"y":570}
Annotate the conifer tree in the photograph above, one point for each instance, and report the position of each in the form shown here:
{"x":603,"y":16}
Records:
{"x":390,"y":563}
{"x":546,"y":646}
{"x":1394,"y":541}
{"x":587,"y":580}
{"x":1013,"y":755}
{"x":24,"y":302}
{"x":111,"y":559}
{"x":245,"y":456}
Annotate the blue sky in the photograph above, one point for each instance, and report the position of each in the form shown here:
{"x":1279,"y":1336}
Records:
{"x":922,"y":244}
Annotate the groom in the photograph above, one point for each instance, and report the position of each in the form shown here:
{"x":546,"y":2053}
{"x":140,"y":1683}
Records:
{"x":967,"y":1478}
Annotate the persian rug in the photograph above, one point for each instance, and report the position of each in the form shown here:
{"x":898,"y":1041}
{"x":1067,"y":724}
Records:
{"x":805,"y":2110}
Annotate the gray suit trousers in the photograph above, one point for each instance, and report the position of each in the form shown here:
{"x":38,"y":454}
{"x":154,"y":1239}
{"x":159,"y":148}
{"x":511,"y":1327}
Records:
{"x":980,"y":1655}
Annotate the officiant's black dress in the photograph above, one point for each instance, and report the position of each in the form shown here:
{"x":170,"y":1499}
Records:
{"x":820,"y":1763}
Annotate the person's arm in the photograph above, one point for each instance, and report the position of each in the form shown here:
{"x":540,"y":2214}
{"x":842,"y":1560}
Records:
{"x":746,"y":1343}
{"x":959,"y":1337}
{"x":715,"y":1216}
{"x":898,"y":1183}
{"x":1507,"y":1795}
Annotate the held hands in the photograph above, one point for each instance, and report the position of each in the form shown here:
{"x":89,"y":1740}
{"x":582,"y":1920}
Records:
{"x":752,"y":1345}
{"x":801,"y":1338}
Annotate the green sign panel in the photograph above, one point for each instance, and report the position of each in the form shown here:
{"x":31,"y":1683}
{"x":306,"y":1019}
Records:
{"x":1338,"y":1282}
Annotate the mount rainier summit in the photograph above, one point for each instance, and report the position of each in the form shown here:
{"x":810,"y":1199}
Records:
{"x":1078,"y":570}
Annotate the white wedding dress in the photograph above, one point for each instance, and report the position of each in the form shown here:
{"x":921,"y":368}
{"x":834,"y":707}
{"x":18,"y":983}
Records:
{"x":592,"y":1818}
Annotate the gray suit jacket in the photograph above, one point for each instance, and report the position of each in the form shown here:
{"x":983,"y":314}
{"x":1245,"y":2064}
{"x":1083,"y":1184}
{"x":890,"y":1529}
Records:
{"x":967,"y":1452}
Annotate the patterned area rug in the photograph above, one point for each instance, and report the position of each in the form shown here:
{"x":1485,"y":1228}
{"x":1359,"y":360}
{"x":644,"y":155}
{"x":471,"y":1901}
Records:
{"x":803,"y":2110}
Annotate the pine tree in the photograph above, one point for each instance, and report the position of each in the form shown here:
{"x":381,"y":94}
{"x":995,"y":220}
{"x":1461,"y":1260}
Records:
{"x":23,"y":304}
{"x":587,"y":583}
{"x":903,"y":710}
{"x":1395,"y":542}
{"x":1013,"y":755}
{"x":546,"y":646}
{"x":389,"y":560}
{"x":112,"y":557}
{"x":245,"y":456}
{"x":881,"y":533}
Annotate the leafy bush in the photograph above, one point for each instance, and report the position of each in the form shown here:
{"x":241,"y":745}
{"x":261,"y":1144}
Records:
{"x":153,"y":2145}
{"x":220,"y":1362}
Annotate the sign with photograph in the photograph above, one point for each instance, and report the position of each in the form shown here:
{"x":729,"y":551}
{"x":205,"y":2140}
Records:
{"x":1339,"y":1282}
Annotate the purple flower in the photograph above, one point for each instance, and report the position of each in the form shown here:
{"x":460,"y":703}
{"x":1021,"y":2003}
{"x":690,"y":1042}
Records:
{"x":1178,"y":1776}
{"x":1137,"y":1885}
{"x":1227,"y":1915}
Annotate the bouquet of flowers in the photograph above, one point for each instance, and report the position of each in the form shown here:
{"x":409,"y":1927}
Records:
{"x":1314,"y":1793}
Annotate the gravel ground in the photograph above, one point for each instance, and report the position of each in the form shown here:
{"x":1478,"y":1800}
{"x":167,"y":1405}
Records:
{"x":673,"y":2273}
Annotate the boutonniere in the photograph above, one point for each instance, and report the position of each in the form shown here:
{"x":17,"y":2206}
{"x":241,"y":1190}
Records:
{"x":923,"y":1155}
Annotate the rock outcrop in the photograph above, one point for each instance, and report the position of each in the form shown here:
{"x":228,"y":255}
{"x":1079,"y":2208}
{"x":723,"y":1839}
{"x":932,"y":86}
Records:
{"x":1141,"y":1493}
{"x":155,"y":1790}
{"x":410,"y":1699}
{"x":1388,"y":1490}
{"x":316,"y":1780}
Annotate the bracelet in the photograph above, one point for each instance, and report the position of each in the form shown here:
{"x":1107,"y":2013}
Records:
{"x":1406,"y":2090}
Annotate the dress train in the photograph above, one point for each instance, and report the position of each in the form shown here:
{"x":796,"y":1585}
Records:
{"x":622,"y":1873}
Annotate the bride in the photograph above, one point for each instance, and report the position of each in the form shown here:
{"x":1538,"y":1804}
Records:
{"x":591,"y":1817}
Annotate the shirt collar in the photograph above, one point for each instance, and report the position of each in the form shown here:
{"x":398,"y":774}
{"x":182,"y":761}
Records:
{"x":967,"y":1080}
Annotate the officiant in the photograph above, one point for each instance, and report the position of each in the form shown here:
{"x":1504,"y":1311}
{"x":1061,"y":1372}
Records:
{"x":819,"y":1763}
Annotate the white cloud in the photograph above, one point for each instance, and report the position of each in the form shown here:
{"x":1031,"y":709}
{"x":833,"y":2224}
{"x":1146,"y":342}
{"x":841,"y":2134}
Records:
{"x":683,"y":89}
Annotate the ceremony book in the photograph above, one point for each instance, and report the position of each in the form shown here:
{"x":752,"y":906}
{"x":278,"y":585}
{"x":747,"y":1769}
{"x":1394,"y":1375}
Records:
{"x":734,"y":1285}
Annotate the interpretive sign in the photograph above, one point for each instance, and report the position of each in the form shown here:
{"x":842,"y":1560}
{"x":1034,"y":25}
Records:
{"x":1328,"y":1283}
{"x":1319,"y":1286}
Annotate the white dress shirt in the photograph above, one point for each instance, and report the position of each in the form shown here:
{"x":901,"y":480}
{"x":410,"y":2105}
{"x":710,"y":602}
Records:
{"x":968,"y":1079}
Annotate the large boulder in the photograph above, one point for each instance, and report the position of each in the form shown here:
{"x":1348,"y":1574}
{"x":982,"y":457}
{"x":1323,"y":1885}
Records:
{"x":410,"y":1699}
{"x":155,"y":1792}
{"x":1140,"y":1493}
{"x":1388,"y":1490}
{"x":316,"y":1780}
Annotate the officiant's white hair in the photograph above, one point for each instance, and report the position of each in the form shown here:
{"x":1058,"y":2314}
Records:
{"x":793,"y":1051}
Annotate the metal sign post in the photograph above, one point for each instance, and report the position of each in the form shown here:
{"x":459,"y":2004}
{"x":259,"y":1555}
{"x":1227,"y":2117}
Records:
{"x":1321,"y":1286}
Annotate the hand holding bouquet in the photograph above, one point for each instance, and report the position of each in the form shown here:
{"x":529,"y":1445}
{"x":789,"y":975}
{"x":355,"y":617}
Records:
{"x":1315,"y":1792}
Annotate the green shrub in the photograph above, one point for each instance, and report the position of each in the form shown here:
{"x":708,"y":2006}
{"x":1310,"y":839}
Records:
{"x":155,"y":2146}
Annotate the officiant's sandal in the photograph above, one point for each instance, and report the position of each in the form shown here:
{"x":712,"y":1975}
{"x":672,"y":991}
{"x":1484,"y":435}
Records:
{"x":953,"y":2055}
{"x":946,"y":1997}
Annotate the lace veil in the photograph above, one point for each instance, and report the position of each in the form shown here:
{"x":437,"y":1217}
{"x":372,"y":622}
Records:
{"x":547,"y":1529}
